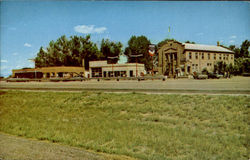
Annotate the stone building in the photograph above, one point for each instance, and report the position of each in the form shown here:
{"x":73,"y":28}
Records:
{"x":181,"y":59}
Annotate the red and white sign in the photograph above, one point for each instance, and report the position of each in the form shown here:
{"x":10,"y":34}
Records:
{"x":151,"y":49}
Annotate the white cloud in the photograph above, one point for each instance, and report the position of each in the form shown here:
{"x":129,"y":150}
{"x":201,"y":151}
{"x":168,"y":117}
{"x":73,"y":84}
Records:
{"x":27,"y":45}
{"x":233,"y":37}
{"x":86,"y":29}
{"x":231,"y":41}
{"x":4,"y":61}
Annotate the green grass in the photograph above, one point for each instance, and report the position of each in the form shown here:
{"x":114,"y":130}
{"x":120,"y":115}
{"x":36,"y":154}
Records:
{"x":137,"y":125}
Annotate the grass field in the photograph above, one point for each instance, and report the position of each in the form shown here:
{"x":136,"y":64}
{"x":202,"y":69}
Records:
{"x":137,"y":125}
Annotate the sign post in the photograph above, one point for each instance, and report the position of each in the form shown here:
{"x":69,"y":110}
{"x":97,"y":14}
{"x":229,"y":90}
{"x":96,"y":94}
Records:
{"x":135,"y":56}
{"x":151,"y":51}
{"x":115,"y":57}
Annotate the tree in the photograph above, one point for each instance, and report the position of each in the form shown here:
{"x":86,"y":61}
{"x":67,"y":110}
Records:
{"x":42,"y":58}
{"x":244,"y":49}
{"x":64,"y":52}
{"x":190,"y":42}
{"x":111,"y":49}
{"x":160,"y":44}
{"x":235,"y":50}
{"x":220,"y":67}
{"x":136,"y":46}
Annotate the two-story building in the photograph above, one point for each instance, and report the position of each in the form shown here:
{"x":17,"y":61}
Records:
{"x":185,"y":58}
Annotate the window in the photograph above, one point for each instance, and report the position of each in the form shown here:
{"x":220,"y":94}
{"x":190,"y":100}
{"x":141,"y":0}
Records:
{"x":208,"y":56}
{"x":224,"y":56}
{"x":215,"y":56}
{"x":220,"y":57}
{"x":190,"y":55}
{"x":123,"y":74}
{"x":202,"y":55}
{"x":117,"y":73}
{"x":232,"y":56}
{"x":97,"y":72}
{"x":131,"y":73}
{"x":207,"y":64}
{"x":196,"y":55}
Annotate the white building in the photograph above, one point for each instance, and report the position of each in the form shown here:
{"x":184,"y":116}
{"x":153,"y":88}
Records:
{"x":100,"y":69}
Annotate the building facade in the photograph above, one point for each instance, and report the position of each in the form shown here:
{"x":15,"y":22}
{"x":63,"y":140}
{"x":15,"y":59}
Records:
{"x":48,"y":72}
{"x":101,"y":69}
{"x":181,"y":59}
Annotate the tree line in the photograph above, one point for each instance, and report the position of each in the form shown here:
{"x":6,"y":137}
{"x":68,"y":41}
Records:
{"x":71,"y":51}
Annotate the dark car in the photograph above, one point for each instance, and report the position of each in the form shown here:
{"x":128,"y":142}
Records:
{"x":200,"y":76}
{"x":214,"y":76}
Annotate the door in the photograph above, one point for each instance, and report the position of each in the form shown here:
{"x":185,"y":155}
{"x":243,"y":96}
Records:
{"x":131,"y":73}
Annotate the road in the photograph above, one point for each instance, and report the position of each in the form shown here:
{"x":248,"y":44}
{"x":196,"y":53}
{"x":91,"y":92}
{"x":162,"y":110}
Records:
{"x":235,"y":85}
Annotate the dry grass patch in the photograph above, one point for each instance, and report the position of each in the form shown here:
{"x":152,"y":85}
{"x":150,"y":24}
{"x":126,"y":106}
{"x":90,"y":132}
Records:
{"x":136,"y":125}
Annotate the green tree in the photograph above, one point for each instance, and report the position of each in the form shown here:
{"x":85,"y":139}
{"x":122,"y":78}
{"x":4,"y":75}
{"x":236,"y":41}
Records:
{"x":160,"y":44}
{"x":64,"y":52}
{"x":136,"y":46}
{"x":220,"y":67}
{"x":42,"y":58}
{"x":190,"y":42}
{"x":244,"y":49}
{"x":111,"y":49}
{"x":235,"y":50}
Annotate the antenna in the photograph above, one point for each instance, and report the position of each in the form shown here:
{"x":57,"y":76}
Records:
{"x":168,"y":32}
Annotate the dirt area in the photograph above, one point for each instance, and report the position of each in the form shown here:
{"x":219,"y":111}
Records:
{"x":235,"y":85}
{"x":12,"y":147}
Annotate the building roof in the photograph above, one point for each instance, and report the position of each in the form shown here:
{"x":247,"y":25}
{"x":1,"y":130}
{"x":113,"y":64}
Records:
{"x":202,"y":47}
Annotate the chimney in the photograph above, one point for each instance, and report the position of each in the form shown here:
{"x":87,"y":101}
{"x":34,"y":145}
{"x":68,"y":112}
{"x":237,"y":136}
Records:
{"x":218,"y":43}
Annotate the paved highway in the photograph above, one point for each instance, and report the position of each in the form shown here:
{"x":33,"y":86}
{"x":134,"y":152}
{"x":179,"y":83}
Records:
{"x":235,"y":85}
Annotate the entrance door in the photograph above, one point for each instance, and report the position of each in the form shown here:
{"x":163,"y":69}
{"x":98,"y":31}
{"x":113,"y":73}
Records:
{"x":131,"y":73}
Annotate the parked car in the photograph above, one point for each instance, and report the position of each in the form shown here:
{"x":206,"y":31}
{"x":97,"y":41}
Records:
{"x":213,"y":76}
{"x":200,"y":76}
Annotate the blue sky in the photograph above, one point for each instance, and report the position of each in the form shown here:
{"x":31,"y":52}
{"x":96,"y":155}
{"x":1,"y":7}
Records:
{"x":28,"y":25}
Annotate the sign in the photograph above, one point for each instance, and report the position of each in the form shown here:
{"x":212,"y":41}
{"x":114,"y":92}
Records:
{"x":151,"y":49}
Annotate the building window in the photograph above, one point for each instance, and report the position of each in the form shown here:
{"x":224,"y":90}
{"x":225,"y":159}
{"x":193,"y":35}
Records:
{"x":232,"y":56}
{"x":208,"y":55}
{"x":220,"y":57}
{"x":202,"y":55}
{"x":190,"y":55}
{"x":196,"y":55}
{"x":123,"y":74}
{"x":215,"y":56}
{"x":97,"y":72}
{"x":224,"y":56}
{"x":117,"y":73}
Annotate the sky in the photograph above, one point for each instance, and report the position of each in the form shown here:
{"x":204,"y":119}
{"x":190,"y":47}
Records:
{"x":28,"y":25}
